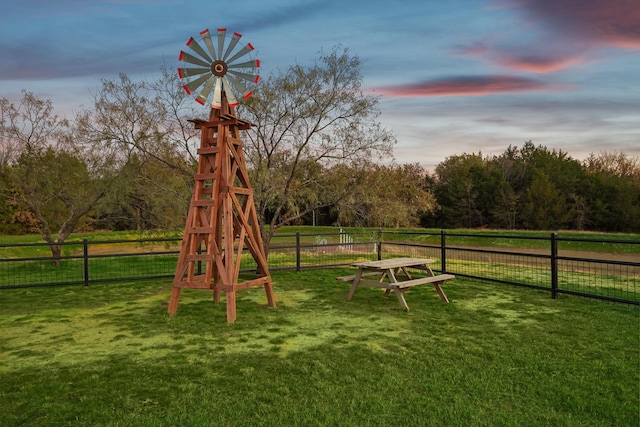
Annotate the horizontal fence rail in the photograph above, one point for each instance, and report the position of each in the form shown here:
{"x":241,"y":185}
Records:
{"x":86,"y":262}
{"x":548,"y":263}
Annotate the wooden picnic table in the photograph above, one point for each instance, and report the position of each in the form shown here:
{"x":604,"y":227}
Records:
{"x":393,"y":275}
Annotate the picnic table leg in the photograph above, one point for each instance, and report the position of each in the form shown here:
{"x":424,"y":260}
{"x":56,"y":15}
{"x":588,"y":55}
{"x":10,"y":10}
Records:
{"x":400,"y":295}
{"x":354,"y":284}
{"x":440,"y":292}
{"x":405,"y":270}
{"x":392,"y":278}
{"x":436,"y":285}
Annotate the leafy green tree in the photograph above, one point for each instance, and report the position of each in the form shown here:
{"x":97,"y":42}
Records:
{"x":613,"y":192}
{"x":142,"y":130}
{"x":513,"y":170}
{"x":387,"y":196}
{"x":493,"y":192}
{"x":579,"y":211}
{"x":47,"y":180}
{"x":522,"y":167}
{"x":506,"y":212}
{"x":147,"y":196}
{"x":456,"y":192}
{"x":55,"y":194}
{"x":10,"y":223}
{"x":545,"y":206}
{"x":472,"y":192}
{"x":564,"y":171}
{"x":536,"y":187}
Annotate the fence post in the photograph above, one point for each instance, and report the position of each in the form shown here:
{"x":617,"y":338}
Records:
{"x":443,"y":251}
{"x":379,"y":244}
{"x":297,"y":251}
{"x":85,"y":259}
{"x":554,"y":265}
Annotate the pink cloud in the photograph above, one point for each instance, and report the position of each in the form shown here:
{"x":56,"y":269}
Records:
{"x":533,"y":59}
{"x":467,"y":86}
{"x":538,"y":64}
{"x":610,"y":22}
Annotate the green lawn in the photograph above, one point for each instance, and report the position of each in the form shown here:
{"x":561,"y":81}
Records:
{"x":496,"y":355}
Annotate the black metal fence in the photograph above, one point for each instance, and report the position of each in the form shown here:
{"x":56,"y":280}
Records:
{"x":548,"y":262}
{"x":612,"y":273}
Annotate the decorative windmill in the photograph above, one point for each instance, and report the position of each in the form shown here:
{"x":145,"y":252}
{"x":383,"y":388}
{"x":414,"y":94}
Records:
{"x":222,"y":221}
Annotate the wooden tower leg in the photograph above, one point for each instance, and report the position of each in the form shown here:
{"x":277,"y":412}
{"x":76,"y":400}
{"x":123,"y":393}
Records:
{"x":231,"y":306}
{"x":222,"y":218}
{"x":173,"y":302}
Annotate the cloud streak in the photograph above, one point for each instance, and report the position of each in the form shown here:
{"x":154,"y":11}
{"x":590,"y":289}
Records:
{"x":597,"y":22}
{"x":566,"y":33}
{"x":538,"y":63}
{"x":533,"y":61}
{"x":105,"y":47}
{"x":285,"y":15}
{"x":467,"y":86}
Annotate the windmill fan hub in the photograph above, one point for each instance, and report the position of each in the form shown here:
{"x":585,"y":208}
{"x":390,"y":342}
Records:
{"x":218,"y":68}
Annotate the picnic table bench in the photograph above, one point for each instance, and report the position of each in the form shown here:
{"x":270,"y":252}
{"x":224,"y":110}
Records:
{"x":393,"y":275}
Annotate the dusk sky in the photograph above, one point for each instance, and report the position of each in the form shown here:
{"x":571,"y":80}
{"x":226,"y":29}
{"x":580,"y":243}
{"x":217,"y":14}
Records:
{"x":453,"y":76}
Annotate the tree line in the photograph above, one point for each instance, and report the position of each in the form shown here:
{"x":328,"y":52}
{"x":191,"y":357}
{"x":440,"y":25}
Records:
{"x":537,"y":188}
{"x":127,"y":163}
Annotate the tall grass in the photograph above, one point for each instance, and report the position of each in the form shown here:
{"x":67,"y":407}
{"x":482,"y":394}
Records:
{"x":496,"y":355}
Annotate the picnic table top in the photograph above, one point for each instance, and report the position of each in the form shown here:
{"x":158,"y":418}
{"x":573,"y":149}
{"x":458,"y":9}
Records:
{"x":393,"y":263}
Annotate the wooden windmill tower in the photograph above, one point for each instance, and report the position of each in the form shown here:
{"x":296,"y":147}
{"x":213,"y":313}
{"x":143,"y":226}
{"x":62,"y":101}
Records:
{"x":222,"y":220}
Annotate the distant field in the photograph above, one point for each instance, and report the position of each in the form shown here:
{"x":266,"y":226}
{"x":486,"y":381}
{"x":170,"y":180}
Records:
{"x":492,"y":238}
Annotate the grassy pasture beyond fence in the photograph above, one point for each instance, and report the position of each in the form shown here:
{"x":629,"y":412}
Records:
{"x":587,"y":264}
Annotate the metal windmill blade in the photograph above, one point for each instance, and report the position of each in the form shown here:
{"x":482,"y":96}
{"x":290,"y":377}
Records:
{"x":219,"y":69}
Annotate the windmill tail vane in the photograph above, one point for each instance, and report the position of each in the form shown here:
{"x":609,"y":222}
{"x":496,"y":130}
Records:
{"x":218,"y":65}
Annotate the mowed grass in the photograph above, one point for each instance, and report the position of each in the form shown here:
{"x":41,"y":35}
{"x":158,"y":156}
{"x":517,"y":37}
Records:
{"x":109,"y":355}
